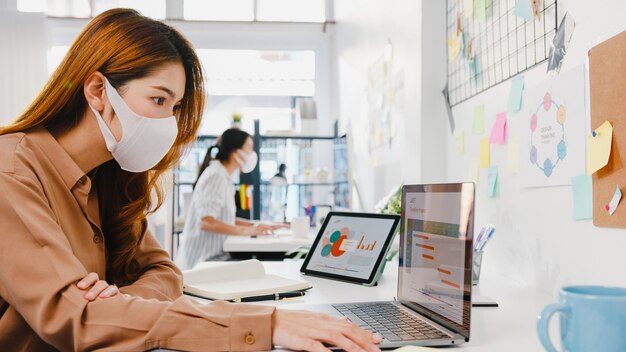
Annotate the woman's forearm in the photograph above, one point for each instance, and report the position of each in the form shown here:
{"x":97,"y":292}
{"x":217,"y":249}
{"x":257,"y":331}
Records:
{"x":211,"y":224}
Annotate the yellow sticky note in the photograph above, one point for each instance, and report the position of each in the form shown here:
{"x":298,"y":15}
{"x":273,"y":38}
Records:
{"x":460,"y":143}
{"x":599,"y":147}
{"x":512,"y":155}
{"x":454,"y":47}
{"x":484,"y":152}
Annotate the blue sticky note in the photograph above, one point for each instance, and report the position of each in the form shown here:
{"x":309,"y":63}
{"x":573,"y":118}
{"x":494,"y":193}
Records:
{"x":515,"y":95}
{"x":582,"y":196}
{"x":492,"y":182}
{"x":523,"y":8}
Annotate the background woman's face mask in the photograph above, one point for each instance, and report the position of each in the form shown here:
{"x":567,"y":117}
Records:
{"x":247,"y":161}
{"x":145,"y":141}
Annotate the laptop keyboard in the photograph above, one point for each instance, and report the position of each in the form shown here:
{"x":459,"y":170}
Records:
{"x":391,"y":322}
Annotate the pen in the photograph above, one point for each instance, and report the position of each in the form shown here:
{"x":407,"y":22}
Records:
{"x":487,"y":237}
{"x":271,"y":297}
{"x":480,"y":235}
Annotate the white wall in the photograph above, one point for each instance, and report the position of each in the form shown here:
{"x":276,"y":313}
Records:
{"x":537,"y":242}
{"x":363,"y":29}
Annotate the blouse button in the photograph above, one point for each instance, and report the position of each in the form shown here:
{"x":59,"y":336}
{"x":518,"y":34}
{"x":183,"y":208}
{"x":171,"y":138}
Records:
{"x":250,"y":339}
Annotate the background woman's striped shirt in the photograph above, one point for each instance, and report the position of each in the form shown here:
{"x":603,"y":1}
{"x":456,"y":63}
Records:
{"x":214,"y":196}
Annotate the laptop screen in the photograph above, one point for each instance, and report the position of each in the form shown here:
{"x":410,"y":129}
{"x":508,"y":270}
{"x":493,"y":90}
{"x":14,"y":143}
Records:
{"x":435,"y":276}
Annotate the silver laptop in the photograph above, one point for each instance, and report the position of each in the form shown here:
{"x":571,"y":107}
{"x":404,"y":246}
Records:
{"x":433,"y":303}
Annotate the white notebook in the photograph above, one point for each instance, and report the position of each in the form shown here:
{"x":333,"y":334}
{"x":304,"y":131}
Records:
{"x":236,"y":281}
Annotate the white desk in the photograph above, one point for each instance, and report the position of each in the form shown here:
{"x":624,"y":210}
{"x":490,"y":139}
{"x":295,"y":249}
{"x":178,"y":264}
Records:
{"x":283,"y":241}
{"x":510,"y":327}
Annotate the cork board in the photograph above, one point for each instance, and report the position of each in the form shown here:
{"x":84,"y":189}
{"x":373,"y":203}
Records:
{"x":607,"y":87}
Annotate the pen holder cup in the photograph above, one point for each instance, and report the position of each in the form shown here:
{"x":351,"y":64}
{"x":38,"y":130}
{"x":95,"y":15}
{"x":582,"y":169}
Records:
{"x":477,"y":263}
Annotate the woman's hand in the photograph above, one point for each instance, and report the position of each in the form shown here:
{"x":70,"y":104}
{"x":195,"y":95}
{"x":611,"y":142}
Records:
{"x":99,"y":288}
{"x":301,"y":330}
{"x":258,"y":230}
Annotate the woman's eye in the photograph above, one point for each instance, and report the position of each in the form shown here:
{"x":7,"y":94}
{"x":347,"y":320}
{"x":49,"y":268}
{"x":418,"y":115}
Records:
{"x":159,"y":101}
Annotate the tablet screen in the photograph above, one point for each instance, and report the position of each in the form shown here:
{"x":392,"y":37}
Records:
{"x":351,"y":245}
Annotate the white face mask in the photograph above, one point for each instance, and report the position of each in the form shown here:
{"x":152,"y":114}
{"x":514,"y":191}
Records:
{"x":247,"y":161}
{"x":145,"y":141}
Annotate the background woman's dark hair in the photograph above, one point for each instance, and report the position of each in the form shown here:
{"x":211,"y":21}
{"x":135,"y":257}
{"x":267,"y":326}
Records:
{"x":229,"y":142}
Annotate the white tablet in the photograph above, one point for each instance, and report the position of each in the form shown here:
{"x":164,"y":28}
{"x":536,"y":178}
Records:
{"x":351,"y":247}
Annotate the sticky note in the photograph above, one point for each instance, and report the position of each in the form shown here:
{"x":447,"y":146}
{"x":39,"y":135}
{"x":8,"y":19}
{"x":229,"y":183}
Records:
{"x":480,"y":10}
{"x":454,"y":46}
{"x":460,"y":143}
{"x":479,"y":119}
{"x":492,"y":182}
{"x":582,"y":196}
{"x":515,"y":94}
{"x":524,"y":9}
{"x":512,"y":155}
{"x":498,"y":130}
{"x":468,"y":8}
{"x":612,"y":206}
{"x":599,"y":147}
{"x":474,"y":171}
{"x":484,"y":152}
{"x":472,"y":67}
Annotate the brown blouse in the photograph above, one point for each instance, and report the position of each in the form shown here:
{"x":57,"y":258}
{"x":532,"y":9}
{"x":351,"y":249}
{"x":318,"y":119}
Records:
{"x":50,"y":238}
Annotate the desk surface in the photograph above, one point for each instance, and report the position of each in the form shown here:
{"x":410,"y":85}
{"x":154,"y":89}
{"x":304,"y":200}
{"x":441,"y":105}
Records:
{"x":283,"y":241}
{"x":510,"y":327}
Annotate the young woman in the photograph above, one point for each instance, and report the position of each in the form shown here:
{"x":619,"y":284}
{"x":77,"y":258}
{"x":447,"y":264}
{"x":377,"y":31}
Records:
{"x":77,"y":171}
{"x":212,"y":212}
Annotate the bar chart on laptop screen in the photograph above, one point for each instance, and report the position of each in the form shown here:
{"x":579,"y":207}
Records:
{"x":435,"y":253}
{"x":350,"y":246}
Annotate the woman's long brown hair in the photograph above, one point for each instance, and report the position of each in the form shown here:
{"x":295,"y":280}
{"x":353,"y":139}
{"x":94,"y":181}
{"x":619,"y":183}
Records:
{"x":122,"y":45}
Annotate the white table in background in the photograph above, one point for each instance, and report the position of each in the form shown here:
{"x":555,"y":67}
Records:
{"x":281,"y":242}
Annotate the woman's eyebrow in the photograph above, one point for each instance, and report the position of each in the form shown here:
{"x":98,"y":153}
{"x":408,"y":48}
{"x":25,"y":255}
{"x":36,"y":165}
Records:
{"x":166,"y":90}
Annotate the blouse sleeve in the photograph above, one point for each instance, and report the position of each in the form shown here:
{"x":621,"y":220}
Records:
{"x":38,"y":275}
{"x":160,"y":277}
{"x":211,"y":197}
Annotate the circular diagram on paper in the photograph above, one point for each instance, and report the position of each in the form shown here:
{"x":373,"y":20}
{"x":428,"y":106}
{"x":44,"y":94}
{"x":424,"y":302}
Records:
{"x":547,"y":135}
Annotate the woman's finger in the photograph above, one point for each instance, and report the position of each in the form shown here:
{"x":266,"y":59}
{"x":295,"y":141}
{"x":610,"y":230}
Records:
{"x":96,"y":290}
{"x":87,"y":281}
{"x":110,"y":291}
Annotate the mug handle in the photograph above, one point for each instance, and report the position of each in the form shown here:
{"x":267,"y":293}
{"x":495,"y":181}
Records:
{"x":543,"y":321}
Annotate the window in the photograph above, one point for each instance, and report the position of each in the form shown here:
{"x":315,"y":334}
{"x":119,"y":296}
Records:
{"x":87,"y":8}
{"x":255,"y":72}
{"x":194,"y":10}
{"x":219,"y":10}
{"x":152,"y":8}
{"x":291,"y":10}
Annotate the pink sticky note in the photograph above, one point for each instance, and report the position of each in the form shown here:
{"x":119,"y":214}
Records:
{"x":498,"y":131}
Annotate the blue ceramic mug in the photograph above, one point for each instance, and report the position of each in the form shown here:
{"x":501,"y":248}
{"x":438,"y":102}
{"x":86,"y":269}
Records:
{"x":593,"y":318}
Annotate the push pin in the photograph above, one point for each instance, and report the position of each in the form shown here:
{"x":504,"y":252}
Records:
{"x":594,"y":134}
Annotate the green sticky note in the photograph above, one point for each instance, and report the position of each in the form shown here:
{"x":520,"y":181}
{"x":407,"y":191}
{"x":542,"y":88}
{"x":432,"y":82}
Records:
{"x":515,"y":95}
{"x":582,"y":196}
{"x":480,"y":10}
{"x":479,"y":119}
{"x":492,"y":182}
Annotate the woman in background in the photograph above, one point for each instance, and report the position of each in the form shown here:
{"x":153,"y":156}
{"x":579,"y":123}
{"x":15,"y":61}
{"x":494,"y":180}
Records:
{"x":77,"y":172}
{"x":212,"y":212}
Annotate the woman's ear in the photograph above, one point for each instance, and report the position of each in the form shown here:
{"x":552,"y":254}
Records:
{"x":94,"y":91}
